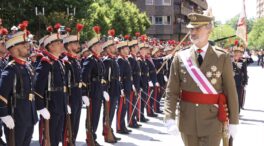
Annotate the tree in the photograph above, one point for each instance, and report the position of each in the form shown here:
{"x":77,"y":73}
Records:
{"x":256,"y":36}
{"x":223,"y":31}
{"x":233,"y":23}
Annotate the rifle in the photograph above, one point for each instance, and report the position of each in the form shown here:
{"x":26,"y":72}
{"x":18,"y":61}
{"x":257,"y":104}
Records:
{"x":46,"y":138}
{"x":225,"y":134}
{"x":68,"y":128}
{"x":89,"y":135}
{"x":108,"y":135}
{"x":11,"y":132}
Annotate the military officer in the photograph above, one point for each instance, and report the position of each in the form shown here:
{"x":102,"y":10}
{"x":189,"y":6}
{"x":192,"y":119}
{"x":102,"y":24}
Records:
{"x":144,"y":81}
{"x":240,"y":73}
{"x":93,"y":76}
{"x":73,"y":72}
{"x":51,"y":88}
{"x":112,"y":77}
{"x":126,"y":87}
{"x":136,"y":73}
{"x":152,"y":85}
{"x":201,"y":72}
{"x":18,"y":111}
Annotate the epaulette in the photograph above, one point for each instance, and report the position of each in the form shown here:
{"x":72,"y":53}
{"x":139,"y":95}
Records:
{"x":46,"y":59}
{"x":219,"y":49}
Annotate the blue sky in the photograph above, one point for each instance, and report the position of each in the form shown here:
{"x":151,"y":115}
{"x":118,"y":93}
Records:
{"x":224,"y":10}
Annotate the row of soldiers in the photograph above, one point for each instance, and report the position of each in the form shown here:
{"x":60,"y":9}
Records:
{"x":55,"y":81}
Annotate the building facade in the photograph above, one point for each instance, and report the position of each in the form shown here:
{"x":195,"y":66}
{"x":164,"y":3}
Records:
{"x":260,"y":8}
{"x":169,"y":17}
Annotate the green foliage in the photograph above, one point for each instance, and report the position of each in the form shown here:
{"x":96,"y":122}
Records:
{"x":222,"y":31}
{"x":256,"y":36}
{"x":121,"y":15}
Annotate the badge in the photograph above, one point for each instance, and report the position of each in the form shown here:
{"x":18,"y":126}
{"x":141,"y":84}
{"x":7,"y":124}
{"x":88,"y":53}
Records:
{"x":184,"y":80}
{"x":214,"y":81}
{"x":214,"y":68}
{"x":209,"y":74}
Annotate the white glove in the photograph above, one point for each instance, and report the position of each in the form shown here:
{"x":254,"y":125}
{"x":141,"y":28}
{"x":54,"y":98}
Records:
{"x":106,"y":96}
{"x":165,"y":78}
{"x":172,"y":127}
{"x":122,"y":92}
{"x":150,"y":84}
{"x":9,"y":121}
{"x":86,"y":100}
{"x":44,"y":113}
{"x":134,"y":88}
{"x":157,"y":84}
{"x":232,"y":130}
{"x":69,"y":109}
{"x":167,"y":57}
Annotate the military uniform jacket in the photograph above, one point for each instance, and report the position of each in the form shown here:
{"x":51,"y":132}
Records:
{"x":160,"y":76}
{"x":198,"y":119}
{"x":152,"y":70}
{"x":125,"y":75}
{"x":73,"y":66}
{"x":51,"y":68}
{"x":144,"y":72}
{"x":112,"y":76}
{"x":93,"y":77}
{"x":135,"y":67}
{"x":18,"y":75}
{"x":240,"y":72}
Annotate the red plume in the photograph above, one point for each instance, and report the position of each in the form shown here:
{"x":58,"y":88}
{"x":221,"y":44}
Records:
{"x":50,"y":29}
{"x":143,"y":38}
{"x":22,"y":26}
{"x":236,"y":42}
{"x":79,"y":27}
{"x":25,"y":23}
{"x":111,"y":32}
{"x":57,"y":26}
{"x":68,"y":29}
{"x":97,"y":29}
{"x":137,"y":34}
{"x":3,"y":31}
{"x":127,"y":37}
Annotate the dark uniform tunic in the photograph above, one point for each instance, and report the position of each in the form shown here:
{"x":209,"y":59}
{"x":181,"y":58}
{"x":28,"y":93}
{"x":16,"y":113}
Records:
{"x":134,"y":98}
{"x":51,"y":70}
{"x":73,"y":72}
{"x":126,"y":86}
{"x":16,"y":86}
{"x":92,"y":76}
{"x":241,"y":79}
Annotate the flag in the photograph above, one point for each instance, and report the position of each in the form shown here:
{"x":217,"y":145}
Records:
{"x":241,"y":31}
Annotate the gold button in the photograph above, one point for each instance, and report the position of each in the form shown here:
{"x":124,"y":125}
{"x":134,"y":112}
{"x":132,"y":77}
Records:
{"x":196,"y":105}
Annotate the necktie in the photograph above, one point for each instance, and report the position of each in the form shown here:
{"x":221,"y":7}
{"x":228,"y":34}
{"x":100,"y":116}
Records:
{"x":200,"y":57}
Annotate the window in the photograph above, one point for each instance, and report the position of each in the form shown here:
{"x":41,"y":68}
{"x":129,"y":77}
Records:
{"x":161,"y":20}
{"x":149,"y":2}
{"x":158,"y":20}
{"x":166,"y":2}
{"x":158,"y":2}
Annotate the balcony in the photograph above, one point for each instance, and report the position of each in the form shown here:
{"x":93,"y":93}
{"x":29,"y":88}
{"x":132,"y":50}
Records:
{"x":201,"y":3}
{"x":182,"y":10}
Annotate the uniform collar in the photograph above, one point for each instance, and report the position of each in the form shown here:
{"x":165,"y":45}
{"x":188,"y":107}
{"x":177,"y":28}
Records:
{"x":204,"y":49}
{"x":20,"y":61}
{"x":71,"y":55}
{"x":51,"y":56}
{"x":123,"y":56}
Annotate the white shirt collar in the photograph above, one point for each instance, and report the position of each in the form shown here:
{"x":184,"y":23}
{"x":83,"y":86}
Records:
{"x":203,"y":48}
